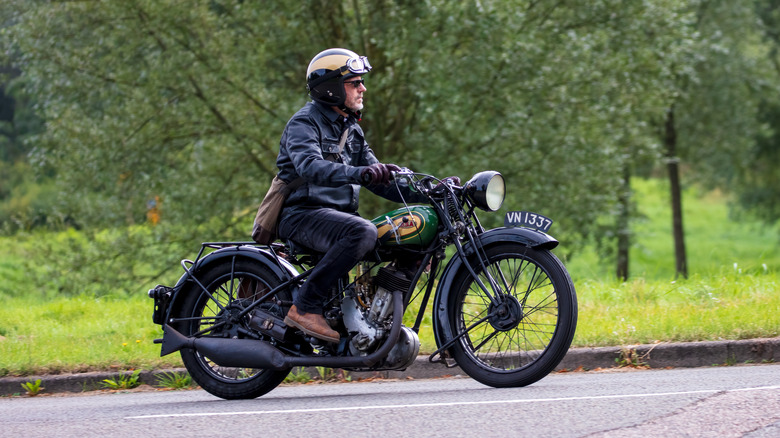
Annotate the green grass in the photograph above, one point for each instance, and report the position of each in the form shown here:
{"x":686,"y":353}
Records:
{"x":733,"y":293}
{"x":729,"y":306}
{"x":78,"y":334}
{"x":715,"y":241}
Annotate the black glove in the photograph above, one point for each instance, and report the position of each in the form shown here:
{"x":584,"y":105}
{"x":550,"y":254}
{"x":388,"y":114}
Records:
{"x":378,"y":173}
{"x":450,"y":180}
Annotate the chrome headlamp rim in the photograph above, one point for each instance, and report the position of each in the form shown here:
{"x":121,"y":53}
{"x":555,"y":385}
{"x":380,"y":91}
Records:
{"x":487,"y":190}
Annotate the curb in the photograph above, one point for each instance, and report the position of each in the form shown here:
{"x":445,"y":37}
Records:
{"x":661,"y":355}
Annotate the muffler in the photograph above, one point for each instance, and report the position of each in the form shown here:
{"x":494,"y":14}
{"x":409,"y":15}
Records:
{"x":241,"y":353}
{"x":249,"y":353}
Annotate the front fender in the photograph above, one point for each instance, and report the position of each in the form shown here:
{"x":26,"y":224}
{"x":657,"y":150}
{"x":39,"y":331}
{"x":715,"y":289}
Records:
{"x":523,"y":236}
{"x":282,"y":269}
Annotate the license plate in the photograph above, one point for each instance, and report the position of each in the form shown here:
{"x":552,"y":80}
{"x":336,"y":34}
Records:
{"x":527,"y":219}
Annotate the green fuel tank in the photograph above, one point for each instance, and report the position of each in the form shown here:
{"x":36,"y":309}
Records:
{"x":415,"y":225}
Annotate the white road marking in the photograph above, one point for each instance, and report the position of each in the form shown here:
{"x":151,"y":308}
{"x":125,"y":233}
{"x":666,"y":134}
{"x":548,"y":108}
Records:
{"x":466,"y":403}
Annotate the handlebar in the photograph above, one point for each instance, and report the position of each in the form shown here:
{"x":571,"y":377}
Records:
{"x":426,"y":184}
{"x":405,"y":171}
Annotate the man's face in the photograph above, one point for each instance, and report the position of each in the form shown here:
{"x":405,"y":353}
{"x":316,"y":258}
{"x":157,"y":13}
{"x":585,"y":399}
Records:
{"x":354,"y":99}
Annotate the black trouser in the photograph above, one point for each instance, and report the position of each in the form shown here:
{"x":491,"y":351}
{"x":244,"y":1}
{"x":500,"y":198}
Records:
{"x":344,"y":238}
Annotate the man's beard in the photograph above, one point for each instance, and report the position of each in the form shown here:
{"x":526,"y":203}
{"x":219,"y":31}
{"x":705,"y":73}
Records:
{"x":355,"y":106}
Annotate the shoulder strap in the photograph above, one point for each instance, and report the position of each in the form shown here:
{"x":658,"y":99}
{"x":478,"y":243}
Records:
{"x":343,"y":140}
{"x":297,"y":182}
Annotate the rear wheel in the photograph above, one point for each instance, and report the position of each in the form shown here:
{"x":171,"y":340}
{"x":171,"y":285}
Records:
{"x":232,"y":284}
{"x":524,"y":336}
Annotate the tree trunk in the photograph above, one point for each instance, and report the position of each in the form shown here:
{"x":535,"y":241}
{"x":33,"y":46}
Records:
{"x":623,"y":224}
{"x":673,"y":166}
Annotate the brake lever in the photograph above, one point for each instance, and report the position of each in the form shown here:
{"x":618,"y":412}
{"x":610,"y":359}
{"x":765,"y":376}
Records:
{"x":403,"y":177}
{"x":405,"y":171}
{"x":444,"y":185}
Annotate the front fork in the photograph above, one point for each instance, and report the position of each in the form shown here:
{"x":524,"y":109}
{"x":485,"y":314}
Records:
{"x":497,"y":296}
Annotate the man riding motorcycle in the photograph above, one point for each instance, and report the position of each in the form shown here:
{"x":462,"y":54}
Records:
{"x":325,"y":146}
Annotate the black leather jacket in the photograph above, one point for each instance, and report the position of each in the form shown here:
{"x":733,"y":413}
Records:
{"x":310,"y":136}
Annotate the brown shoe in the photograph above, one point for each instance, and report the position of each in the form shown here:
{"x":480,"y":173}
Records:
{"x":312,"y":324}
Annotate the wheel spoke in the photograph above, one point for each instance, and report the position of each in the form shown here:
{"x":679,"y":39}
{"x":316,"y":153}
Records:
{"x":516,"y":277}
{"x":484,"y":341}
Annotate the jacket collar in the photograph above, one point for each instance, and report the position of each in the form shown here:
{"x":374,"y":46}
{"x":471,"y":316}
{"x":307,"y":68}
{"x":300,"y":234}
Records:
{"x":327,"y":111}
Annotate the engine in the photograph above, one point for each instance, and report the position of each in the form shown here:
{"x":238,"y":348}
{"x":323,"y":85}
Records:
{"x":367,"y":312}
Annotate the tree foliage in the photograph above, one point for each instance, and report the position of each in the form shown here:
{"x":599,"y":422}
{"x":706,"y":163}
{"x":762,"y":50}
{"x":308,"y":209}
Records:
{"x":186,"y":101}
{"x":25,"y":195}
{"x":758,"y":184}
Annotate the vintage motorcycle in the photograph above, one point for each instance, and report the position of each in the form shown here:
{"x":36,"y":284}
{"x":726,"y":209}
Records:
{"x":504,"y":307}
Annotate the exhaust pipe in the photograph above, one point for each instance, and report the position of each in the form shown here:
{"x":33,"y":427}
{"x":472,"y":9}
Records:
{"x":248,"y":353}
{"x":242,"y":353}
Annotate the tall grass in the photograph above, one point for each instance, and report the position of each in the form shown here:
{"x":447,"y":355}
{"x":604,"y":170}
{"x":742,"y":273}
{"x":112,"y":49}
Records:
{"x":732,"y":293}
{"x":728,"y":306}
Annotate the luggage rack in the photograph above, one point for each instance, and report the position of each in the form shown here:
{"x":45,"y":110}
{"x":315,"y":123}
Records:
{"x":279,"y":251}
{"x":274,"y":247}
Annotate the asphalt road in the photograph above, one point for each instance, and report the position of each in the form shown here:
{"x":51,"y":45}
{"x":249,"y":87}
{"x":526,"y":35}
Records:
{"x":738,"y":401}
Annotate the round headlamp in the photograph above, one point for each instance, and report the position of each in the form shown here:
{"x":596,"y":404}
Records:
{"x":487,"y":190}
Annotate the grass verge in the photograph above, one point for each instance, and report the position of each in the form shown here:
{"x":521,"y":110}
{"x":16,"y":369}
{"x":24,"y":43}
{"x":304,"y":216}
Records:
{"x":78,"y":334}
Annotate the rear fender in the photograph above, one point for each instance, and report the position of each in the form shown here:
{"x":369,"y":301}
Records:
{"x":281,"y":268}
{"x":524,"y":236}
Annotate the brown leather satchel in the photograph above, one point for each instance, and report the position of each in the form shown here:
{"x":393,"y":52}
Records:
{"x":267,"y":217}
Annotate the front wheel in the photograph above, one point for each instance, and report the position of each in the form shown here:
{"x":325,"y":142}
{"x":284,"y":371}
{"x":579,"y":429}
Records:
{"x":520,"y":338}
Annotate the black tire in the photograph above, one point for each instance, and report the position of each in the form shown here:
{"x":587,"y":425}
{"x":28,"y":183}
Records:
{"x":527,"y":337}
{"x":232,"y":283}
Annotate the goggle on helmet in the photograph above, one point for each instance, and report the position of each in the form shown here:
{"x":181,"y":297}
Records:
{"x":327,"y":72}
